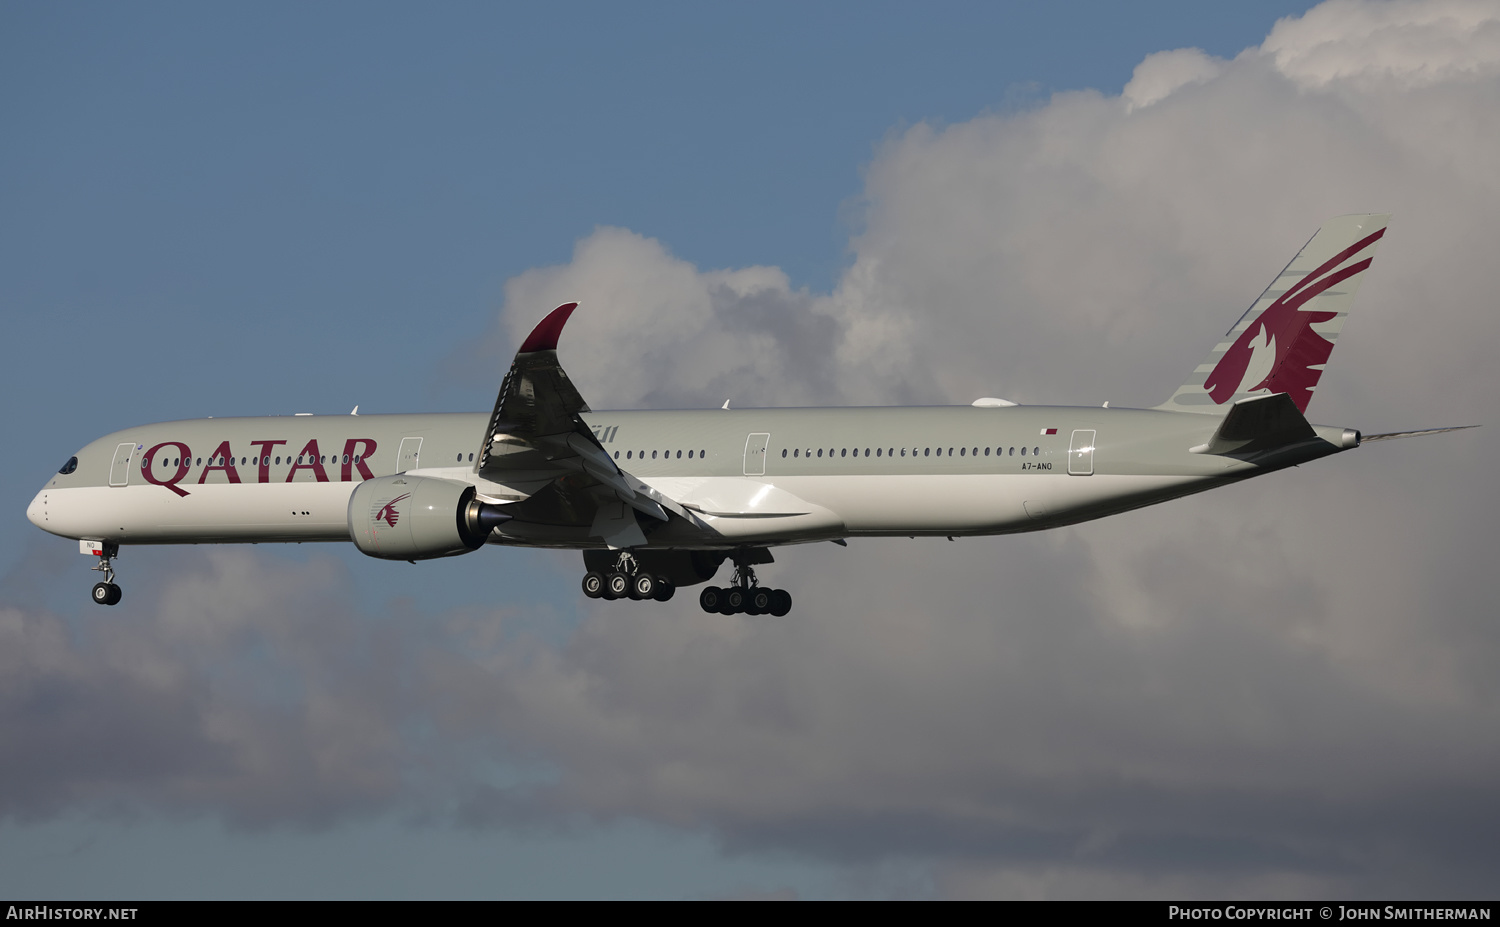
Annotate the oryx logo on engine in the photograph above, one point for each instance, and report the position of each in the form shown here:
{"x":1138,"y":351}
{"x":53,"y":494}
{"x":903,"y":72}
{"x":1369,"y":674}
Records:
{"x":388,"y":513}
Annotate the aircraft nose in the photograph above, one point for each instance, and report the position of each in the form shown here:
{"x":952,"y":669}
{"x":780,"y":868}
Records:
{"x":36,"y":512}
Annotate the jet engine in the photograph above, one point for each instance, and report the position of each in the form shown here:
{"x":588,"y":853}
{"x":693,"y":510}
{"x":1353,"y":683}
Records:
{"x":419,"y":518}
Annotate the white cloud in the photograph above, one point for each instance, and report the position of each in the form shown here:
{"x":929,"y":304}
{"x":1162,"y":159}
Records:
{"x":1283,"y":672}
{"x":1160,"y":74}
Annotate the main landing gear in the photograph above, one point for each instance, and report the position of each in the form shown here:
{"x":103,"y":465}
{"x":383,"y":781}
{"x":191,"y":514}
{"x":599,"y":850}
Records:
{"x":626,"y":580}
{"x":745,"y":594}
{"x":106,"y":593}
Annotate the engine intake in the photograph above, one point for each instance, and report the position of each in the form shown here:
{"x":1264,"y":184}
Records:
{"x":419,"y":518}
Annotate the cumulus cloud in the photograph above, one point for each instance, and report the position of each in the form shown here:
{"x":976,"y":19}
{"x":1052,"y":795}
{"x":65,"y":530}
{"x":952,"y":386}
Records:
{"x":1281,"y":688}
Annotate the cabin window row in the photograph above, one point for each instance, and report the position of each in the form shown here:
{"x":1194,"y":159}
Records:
{"x":915,"y":452}
{"x":665,"y":455}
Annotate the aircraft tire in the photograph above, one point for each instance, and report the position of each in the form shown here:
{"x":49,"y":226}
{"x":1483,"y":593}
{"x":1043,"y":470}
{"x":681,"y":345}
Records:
{"x":758,"y":602}
{"x":711,"y":599}
{"x":106,"y":593}
{"x":616,"y":586}
{"x":593,"y":584}
{"x":643,"y":586}
{"x":734,"y":601}
{"x":664,"y":590}
{"x":781,"y":602}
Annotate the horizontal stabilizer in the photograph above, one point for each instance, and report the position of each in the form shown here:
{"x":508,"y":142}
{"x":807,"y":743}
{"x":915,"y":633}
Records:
{"x":1365,"y":439}
{"x":1256,"y":425}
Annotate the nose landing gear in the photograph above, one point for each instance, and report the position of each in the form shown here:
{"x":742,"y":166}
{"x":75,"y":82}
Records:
{"x":106,"y":593}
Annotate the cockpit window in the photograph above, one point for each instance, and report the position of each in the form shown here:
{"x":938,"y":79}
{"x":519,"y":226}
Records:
{"x":70,"y":466}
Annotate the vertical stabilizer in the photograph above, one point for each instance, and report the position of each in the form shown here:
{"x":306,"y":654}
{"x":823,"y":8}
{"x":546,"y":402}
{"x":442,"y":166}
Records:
{"x":1282,"y":342}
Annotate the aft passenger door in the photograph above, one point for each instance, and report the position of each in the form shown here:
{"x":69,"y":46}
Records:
{"x":755,"y":453}
{"x":1081,"y":453}
{"x":119,"y":468}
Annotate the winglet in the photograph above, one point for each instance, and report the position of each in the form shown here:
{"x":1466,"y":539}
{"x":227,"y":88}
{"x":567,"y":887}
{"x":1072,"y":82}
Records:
{"x":544,"y":336}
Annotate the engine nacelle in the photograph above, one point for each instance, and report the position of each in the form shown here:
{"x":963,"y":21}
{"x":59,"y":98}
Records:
{"x":419,"y":518}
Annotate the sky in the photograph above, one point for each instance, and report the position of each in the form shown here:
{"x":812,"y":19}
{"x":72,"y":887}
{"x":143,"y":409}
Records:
{"x":1281,"y":689}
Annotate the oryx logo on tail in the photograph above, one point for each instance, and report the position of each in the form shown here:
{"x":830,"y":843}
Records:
{"x":388,"y":513}
{"x":1275,"y":347}
{"x":1280,"y":352}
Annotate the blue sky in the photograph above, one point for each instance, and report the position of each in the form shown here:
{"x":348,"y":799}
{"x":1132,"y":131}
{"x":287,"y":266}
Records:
{"x":289,"y":208}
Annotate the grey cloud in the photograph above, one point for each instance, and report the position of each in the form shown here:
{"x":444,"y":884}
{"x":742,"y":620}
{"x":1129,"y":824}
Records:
{"x":1279,"y":687}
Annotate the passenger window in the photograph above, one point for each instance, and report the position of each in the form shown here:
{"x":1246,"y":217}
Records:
{"x":844,"y":452}
{"x":783,"y":452}
{"x":627,"y":454}
{"x":877,"y":451}
{"x":617,"y":455}
{"x":1023,"y":452}
{"x":820,"y":452}
{"x":927,"y":452}
{"x":653,"y":455}
{"x":903,"y":452}
{"x":986,"y":452}
{"x":1036,"y":451}
{"x":690,"y":455}
{"x":867,"y":452}
{"x":679,"y":455}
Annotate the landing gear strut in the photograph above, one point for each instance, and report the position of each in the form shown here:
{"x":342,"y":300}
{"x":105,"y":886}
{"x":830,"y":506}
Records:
{"x":626,"y":580}
{"x":745,"y":594}
{"x":106,"y":593}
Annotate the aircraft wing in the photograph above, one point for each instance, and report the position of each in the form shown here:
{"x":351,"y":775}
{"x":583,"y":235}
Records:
{"x":536,"y":436}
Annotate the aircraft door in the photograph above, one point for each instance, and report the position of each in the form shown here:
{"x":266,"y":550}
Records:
{"x":119,"y":468}
{"x":409,"y":457}
{"x":1081,"y":453}
{"x":755,"y":453}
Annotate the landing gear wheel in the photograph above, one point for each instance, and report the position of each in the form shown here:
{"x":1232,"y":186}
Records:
{"x":734,"y":601}
{"x":758,"y":601}
{"x":643,"y":587}
{"x":711,"y":599}
{"x":616,"y":586}
{"x":781,"y":602}
{"x":593,"y":585}
{"x":664,"y":590}
{"x":106,"y":594}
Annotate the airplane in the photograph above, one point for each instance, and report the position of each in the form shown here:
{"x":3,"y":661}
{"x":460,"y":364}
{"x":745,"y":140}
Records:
{"x":660,"y":499}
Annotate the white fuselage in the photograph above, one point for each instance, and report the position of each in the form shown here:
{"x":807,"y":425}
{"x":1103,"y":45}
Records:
{"x":757,"y":476}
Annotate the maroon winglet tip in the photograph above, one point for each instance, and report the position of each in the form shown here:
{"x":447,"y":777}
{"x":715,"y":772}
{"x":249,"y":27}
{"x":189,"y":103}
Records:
{"x":544,"y":336}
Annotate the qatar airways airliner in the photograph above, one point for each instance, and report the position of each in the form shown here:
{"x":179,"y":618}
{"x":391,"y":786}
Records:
{"x":657,"y":500}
